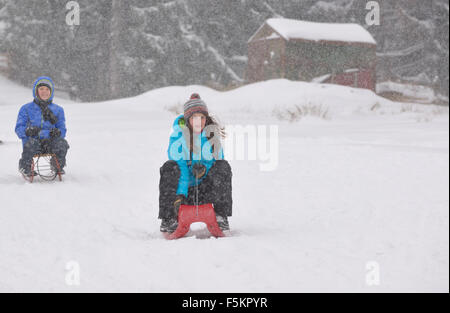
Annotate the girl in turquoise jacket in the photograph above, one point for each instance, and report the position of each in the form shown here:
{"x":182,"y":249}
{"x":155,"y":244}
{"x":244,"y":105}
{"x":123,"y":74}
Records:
{"x":196,"y":160}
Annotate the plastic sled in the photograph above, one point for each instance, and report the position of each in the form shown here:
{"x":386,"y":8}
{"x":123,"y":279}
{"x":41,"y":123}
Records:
{"x":41,"y":166}
{"x":189,"y":214}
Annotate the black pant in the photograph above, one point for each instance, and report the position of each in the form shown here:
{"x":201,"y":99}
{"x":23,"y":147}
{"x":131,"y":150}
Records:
{"x":215,"y":188}
{"x":58,"y":146}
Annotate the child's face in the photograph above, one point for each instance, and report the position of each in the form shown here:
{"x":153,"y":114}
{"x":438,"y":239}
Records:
{"x":198,"y":122}
{"x":44,"y":93}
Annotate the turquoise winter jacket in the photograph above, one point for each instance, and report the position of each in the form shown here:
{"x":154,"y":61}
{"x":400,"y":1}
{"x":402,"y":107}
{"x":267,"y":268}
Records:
{"x":178,"y":151}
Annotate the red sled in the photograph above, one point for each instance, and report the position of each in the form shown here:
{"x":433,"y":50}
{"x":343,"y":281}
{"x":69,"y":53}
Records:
{"x":189,"y":214}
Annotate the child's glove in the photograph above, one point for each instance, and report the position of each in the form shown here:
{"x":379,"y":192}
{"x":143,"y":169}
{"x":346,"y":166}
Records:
{"x":180,"y":199}
{"x":55,"y":133}
{"x":45,"y":145}
{"x":198,"y":170}
{"x":32,"y":131}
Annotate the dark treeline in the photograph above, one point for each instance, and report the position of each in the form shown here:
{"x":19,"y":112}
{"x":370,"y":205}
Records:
{"x":124,"y":48}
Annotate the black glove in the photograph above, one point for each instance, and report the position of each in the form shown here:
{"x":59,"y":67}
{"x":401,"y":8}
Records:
{"x":180,"y":199}
{"x":198,"y":170}
{"x":55,"y":133}
{"x":32,"y":131}
{"x":45,"y":145}
{"x":49,"y":116}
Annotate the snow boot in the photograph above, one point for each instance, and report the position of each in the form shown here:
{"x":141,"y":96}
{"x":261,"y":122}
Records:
{"x":27,"y":172}
{"x":222,"y":221}
{"x":55,"y":166}
{"x":164,"y":225}
{"x":168,"y":225}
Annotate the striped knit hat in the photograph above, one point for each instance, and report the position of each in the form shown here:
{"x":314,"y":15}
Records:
{"x":194,"y":105}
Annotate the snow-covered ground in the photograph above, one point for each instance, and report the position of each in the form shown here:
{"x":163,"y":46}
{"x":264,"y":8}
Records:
{"x":367,"y":183}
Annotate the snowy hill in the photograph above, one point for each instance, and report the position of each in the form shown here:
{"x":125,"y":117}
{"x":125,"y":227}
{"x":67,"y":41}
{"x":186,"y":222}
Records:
{"x":360,"y":179}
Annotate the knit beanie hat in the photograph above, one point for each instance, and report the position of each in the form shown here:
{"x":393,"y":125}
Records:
{"x":194,"y":105}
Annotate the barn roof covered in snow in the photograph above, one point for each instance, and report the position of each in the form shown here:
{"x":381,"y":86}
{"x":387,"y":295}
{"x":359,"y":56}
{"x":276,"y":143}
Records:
{"x":295,"y":29}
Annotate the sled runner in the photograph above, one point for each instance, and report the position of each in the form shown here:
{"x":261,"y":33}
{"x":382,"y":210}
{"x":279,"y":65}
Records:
{"x":189,"y":214}
{"x":46,"y":166}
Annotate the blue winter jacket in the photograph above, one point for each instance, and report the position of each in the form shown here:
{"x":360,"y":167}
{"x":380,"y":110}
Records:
{"x":31,"y":115}
{"x":178,"y":151}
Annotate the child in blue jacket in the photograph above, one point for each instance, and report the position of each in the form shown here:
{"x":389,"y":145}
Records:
{"x":195,"y":159}
{"x":41,"y":125}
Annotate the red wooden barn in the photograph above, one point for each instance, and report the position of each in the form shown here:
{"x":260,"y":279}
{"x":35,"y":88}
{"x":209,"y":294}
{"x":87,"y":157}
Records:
{"x":342,"y":54}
